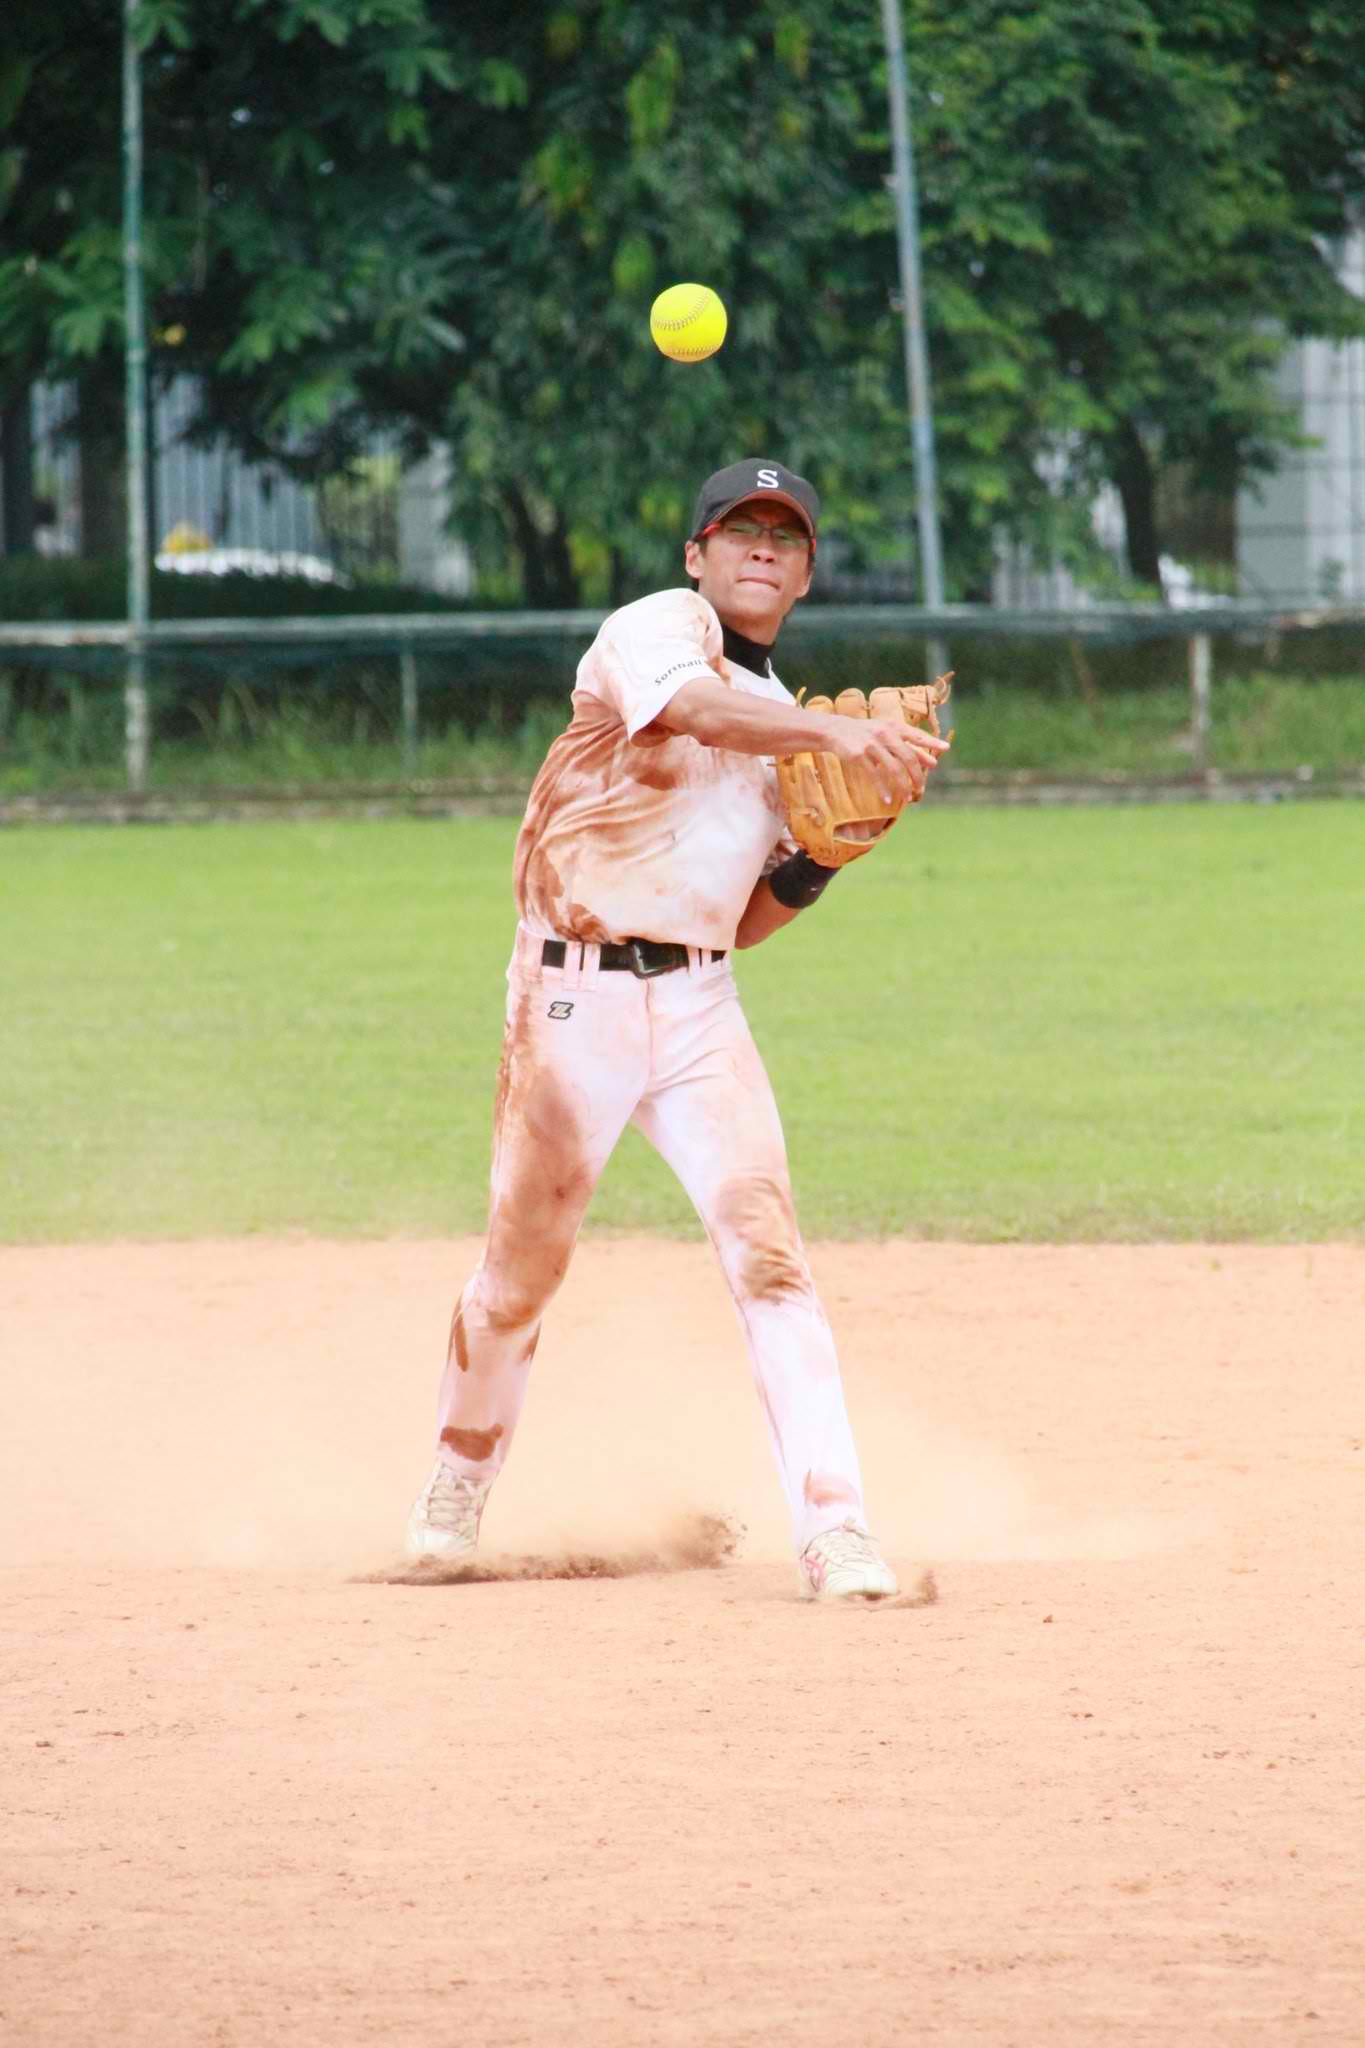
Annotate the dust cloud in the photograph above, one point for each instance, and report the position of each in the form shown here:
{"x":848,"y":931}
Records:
{"x":695,"y":1543}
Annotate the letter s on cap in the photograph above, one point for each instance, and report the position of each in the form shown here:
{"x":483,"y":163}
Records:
{"x":769,"y":479}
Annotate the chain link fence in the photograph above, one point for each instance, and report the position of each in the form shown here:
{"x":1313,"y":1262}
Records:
{"x":460,"y":703}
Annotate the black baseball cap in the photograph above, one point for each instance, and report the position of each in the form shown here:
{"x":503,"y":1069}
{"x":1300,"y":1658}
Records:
{"x":755,"y":477}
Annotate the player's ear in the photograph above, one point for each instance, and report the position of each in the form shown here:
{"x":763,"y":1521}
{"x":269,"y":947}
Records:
{"x":694,"y":555}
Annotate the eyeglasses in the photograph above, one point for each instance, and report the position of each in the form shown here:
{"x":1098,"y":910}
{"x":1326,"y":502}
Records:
{"x":752,"y":529}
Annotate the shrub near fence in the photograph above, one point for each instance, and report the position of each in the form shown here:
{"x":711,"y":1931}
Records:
{"x":453,"y":699}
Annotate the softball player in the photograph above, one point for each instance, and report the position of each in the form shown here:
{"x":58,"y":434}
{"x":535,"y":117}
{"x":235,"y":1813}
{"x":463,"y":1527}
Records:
{"x":653,"y":846}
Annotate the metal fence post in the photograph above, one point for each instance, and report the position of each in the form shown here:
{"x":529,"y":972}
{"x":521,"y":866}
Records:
{"x":407,"y":672}
{"x":137,"y":723}
{"x":912,"y":326}
{"x":1201,"y":680}
{"x":136,"y":718}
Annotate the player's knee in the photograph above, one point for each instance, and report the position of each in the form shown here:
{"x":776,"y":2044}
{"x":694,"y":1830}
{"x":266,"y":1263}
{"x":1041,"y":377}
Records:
{"x":516,"y":1298}
{"x":513,"y":1306}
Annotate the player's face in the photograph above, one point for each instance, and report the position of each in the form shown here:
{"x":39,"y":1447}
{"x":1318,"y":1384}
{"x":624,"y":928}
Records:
{"x":753,"y":578}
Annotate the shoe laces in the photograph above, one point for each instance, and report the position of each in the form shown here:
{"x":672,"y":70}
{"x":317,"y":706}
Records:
{"x":846,"y":1545}
{"x":454,"y":1502}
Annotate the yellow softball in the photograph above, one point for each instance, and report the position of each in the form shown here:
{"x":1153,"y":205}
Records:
{"x":688,"y":322}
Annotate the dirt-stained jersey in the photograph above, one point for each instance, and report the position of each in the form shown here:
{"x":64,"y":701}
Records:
{"x":635,"y":832}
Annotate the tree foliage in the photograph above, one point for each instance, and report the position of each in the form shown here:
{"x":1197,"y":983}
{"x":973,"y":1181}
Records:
{"x":1126,"y":203}
{"x":287,"y":243}
{"x":452,"y":219}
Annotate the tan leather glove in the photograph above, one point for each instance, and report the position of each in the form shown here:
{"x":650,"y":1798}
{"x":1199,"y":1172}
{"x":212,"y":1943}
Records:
{"x":834,"y":808}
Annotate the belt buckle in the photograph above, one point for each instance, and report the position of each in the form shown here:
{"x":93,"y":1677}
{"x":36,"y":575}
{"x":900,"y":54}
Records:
{"x":640,"y":967}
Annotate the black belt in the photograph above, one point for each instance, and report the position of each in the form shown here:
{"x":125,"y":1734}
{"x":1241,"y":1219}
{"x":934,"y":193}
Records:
{"x":644,"y":957}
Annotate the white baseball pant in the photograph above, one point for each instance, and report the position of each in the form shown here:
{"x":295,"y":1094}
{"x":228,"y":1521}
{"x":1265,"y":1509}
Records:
{"x":586,"y":1052}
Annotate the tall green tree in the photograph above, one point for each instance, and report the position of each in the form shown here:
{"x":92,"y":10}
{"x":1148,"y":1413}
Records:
{"x":291,"y":240}
{"x":1130,"y":208}
{"x":452,"y":219}
{"x":732,"y":150}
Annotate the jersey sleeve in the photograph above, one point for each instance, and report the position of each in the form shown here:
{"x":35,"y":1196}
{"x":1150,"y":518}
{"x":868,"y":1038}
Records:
{"x":645,"y":652}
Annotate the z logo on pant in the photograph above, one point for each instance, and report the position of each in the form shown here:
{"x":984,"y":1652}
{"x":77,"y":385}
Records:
{"x":560,"y":1010}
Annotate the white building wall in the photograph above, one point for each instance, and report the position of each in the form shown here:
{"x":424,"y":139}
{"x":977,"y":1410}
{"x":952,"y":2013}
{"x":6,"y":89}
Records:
{"x":427,"y":555}
{"x":249,"y":515}
{"x":1024,"y":581}
{"x":1301,"y":532}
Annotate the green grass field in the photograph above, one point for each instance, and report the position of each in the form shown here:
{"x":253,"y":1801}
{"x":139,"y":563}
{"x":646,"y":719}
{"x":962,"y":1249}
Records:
{"x":1124,"y":1024}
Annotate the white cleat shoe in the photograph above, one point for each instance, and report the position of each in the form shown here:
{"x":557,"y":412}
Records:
{"x":444,"y":1523}
{"x":845,"y":1564}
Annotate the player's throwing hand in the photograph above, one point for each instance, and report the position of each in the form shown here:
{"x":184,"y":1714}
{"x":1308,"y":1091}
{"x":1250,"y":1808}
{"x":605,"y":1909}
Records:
{"x":898,"y":757}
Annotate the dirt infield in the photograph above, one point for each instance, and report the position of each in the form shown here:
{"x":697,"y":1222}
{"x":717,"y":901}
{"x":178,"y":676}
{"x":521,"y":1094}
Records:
{"x":1096,"y":1779}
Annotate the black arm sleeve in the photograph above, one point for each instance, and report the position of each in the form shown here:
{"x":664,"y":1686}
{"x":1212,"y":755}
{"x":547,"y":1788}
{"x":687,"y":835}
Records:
{"x":799,"y":881}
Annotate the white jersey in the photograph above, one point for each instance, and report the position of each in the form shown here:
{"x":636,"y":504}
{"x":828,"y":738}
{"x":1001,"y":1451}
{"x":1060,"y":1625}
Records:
{"x":635,"y":832}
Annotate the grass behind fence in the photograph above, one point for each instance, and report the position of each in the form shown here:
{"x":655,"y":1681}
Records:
{"x":1262,"y":724}
{"x":1124,"y":1024}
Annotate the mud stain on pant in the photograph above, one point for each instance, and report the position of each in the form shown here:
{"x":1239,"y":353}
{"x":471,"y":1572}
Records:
{"x":515,"y":1040}
{"x":474,"y":1444}
{"x":542,"y":1181}
{"x":458,"y":1348}
{"x":755,"y":1209}
{"x":827,"y":1490}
